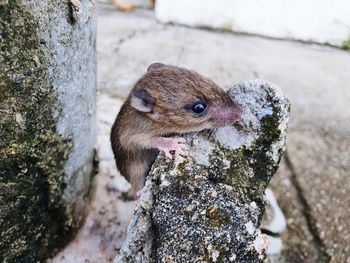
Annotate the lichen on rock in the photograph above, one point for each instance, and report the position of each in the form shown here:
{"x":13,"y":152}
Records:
{"x":207,"y":206}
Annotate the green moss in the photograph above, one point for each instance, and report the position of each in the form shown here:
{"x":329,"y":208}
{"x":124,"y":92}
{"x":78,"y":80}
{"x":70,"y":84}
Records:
{"x":33,"y":218}
{"x":346,"y":44}
{"x":227,"y":26}
{"x":218,"y":170}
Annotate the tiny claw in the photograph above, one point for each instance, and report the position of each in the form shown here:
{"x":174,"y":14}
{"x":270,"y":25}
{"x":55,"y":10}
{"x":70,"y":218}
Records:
{"x":168,"y":154}
{"x":183,"y":150}
{"x":180,"y":140}
{"x":170,"y":144}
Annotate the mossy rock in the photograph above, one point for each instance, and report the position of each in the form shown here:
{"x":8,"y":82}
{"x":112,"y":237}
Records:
{"x":44,"y":186}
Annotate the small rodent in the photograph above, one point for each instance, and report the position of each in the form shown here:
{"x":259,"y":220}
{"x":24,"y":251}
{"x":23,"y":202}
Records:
{"x":166,"y":101}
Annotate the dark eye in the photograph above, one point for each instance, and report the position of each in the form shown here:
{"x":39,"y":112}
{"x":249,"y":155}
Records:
{"x":198,"y":107}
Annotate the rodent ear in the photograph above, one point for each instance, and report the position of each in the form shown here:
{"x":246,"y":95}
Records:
{"x":141,"y":100}
{"x":155,"y":66}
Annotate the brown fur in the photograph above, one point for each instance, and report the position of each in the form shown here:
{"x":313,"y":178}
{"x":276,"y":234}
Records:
{"x":174,"y":90}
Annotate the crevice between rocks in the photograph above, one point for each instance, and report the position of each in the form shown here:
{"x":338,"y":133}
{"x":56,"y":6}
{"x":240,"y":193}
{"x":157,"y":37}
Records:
{"x":306,"y":210}
{"x":134,"y":33}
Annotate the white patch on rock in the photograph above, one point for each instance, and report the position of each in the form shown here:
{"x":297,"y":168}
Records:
{"x":250,"y":227}
{"x":232,"y":138}
{"x":253,"y":205}
{"x":164,"y":182}
{"x":190,"y":208}
{"x":201,"y":149}
{"x":21,"y":121}
{"x":250,"y":172}
{"x":226,"y":164}
{"x":232,"y":258}
{"x":265,"y":112}
{"x":215,"y":255}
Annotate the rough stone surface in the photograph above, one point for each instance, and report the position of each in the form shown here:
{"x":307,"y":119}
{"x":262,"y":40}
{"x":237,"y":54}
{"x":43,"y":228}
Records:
{"x":207,"y":207}
{"x":47,"y":87}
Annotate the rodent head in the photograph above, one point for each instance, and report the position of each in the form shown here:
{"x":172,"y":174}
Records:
{"x":182,"y":100}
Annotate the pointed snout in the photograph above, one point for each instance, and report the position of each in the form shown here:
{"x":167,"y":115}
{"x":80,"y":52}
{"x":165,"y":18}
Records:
{"x":228,"y":115}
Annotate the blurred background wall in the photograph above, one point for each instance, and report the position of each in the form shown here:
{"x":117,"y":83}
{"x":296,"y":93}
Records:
{"x":321,"y":21}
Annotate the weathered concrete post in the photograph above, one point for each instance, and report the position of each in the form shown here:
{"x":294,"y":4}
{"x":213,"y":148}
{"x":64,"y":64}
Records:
{"x":47,"y":116}
{"x":208,"y":206}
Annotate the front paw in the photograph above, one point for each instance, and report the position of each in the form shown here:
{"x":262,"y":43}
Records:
{"x":171,"y":144}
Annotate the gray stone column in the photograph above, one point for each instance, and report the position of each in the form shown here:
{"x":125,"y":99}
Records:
{"x":47,"y":123}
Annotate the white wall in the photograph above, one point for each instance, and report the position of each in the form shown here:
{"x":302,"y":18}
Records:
{"x":309,"y":20}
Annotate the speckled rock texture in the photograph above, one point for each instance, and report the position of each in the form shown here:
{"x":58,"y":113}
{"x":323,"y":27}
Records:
{"x":207,"y":206}
{"x":47,"y":116}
